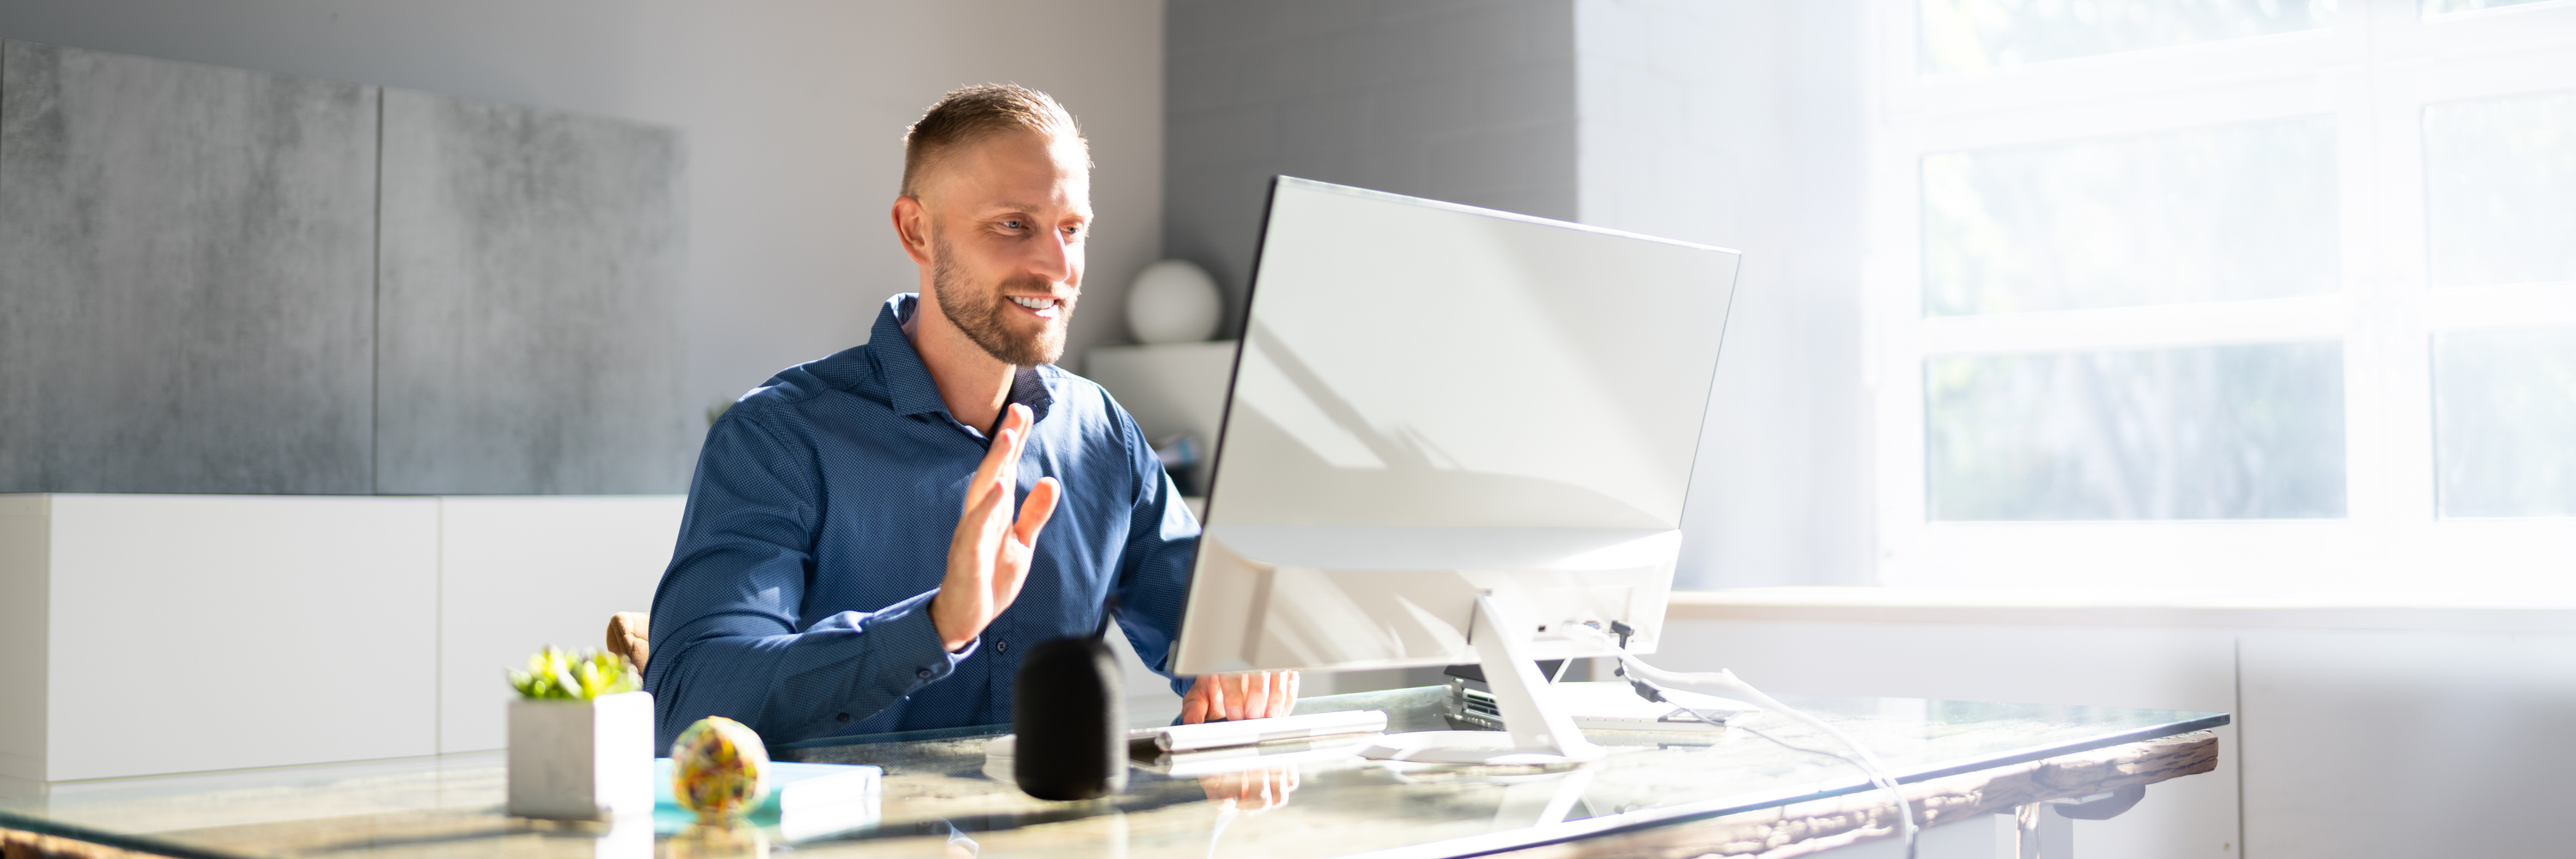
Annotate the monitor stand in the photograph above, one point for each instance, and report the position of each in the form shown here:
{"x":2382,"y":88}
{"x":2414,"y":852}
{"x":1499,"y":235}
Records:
{"x":1537,"y":731}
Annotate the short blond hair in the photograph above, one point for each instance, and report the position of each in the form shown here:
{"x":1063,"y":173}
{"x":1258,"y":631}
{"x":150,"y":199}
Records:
{"x":973,"y":113}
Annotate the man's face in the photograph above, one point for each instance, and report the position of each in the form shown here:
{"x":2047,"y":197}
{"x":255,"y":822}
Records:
{"x":1007,"y":219}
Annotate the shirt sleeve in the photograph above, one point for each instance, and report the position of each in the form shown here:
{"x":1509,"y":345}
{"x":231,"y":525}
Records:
{"x":725,"y":641}
{"x":1154,"y":567}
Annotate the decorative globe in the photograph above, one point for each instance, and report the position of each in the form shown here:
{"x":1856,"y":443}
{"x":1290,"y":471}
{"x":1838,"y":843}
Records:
{"x":1174,"y":301}
{"x":719,"y":769}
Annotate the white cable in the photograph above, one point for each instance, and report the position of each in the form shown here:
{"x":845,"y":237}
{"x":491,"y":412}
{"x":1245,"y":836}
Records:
{"x":1724,"y":682}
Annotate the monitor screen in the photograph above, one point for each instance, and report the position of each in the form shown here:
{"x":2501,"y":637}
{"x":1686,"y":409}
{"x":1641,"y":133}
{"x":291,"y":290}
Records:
{"x":1434,"y":400}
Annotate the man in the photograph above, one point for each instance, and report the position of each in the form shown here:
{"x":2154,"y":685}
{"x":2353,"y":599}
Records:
{"x":825,"y":583}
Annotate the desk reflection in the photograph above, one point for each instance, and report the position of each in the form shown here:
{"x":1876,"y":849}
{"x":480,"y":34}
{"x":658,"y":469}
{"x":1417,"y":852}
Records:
{"x":1252,"y":790}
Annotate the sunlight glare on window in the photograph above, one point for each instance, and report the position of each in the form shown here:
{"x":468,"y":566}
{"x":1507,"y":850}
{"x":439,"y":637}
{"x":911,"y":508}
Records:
{"x":2207,"y":432}
{"x":2504,"y":412}
{"x":2500,"y":190}
{"x":2445,"y":7}
{"x":2207,"y":214}
{"x":1969,"y":35}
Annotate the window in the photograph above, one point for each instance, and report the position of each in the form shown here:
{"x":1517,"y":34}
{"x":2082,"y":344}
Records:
{"x":2225,"y":295}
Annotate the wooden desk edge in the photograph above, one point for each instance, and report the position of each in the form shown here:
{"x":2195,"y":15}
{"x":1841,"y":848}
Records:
{"x":1810,"y":827}
{"x":19,"y":844}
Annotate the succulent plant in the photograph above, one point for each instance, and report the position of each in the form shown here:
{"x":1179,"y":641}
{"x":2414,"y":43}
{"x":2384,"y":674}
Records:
{"x":556,"y":675}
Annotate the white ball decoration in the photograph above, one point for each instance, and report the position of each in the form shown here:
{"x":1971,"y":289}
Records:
{"x":1174,"y":301}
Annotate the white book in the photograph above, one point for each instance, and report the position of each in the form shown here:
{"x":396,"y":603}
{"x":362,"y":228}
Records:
{"x":806,"y":801}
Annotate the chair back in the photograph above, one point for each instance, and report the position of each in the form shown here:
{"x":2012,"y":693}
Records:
{"x":630,"y":635}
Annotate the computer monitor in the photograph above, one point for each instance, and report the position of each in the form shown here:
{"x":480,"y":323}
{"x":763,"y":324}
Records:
{"x":1449,"y":430}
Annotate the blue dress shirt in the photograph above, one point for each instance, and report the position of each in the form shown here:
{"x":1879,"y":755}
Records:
{"x":797,"y":600}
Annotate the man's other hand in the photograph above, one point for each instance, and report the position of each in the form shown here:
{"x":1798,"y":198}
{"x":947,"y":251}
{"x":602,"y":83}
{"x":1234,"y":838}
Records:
{"x":1241,"y":695}
{"x":988,"y":557}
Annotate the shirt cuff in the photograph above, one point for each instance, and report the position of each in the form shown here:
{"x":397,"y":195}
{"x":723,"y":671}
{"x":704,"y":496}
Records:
{"x":913,"y":640}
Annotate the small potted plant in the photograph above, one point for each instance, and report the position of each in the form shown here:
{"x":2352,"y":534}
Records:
{"x":581,"y":738}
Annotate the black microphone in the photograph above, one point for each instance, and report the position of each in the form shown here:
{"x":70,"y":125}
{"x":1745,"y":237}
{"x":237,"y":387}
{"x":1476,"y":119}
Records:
{"x":1069,"y":711}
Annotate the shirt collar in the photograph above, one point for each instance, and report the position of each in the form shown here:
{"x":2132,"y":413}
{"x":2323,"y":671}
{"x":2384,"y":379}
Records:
{"x":908,"y":385}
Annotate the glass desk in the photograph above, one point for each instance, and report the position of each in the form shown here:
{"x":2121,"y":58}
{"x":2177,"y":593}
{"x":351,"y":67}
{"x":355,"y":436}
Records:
{"x":939,"y":801}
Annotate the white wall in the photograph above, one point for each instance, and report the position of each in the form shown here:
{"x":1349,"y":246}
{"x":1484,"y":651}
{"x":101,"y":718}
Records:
{"x":1738,"y":124}
{"x":794,"y":112}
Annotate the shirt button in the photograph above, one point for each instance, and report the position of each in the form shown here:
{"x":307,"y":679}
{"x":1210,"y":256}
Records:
{"x":1003,"y":646}
{"x":924,"y":674}
{"x":844,"y":717}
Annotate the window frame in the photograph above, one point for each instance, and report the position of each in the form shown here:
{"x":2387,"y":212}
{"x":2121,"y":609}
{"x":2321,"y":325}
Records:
{"x":2374,"y":70}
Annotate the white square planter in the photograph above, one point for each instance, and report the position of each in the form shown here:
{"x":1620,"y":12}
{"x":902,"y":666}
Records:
{"x":582,"y":760}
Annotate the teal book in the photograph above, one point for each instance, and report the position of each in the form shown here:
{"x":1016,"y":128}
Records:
{"x":806,"y":802}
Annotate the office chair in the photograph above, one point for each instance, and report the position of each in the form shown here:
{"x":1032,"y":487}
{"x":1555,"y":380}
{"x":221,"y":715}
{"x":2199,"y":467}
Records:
{"x":630,"y":635}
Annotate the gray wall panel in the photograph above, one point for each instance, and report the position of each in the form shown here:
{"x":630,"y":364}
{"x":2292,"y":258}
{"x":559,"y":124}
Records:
{"x":1471,"y":102}
{"x":528,"y":302}
{"x":185,"y":269}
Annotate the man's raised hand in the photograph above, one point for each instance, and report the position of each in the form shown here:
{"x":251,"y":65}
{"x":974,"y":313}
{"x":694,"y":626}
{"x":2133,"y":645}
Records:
{"x":988,"y":557}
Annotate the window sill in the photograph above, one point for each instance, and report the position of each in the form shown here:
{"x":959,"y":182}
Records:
{"x":2450,"y":612}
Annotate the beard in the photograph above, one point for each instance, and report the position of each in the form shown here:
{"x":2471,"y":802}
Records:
{"x":986,"y":316}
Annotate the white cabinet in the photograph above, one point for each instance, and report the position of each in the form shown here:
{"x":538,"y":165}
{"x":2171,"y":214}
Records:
{"x":2379,"y":730}
{"x":144,"y":634}
{"x":517,"y":573}
{"x":2406,"y":743}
